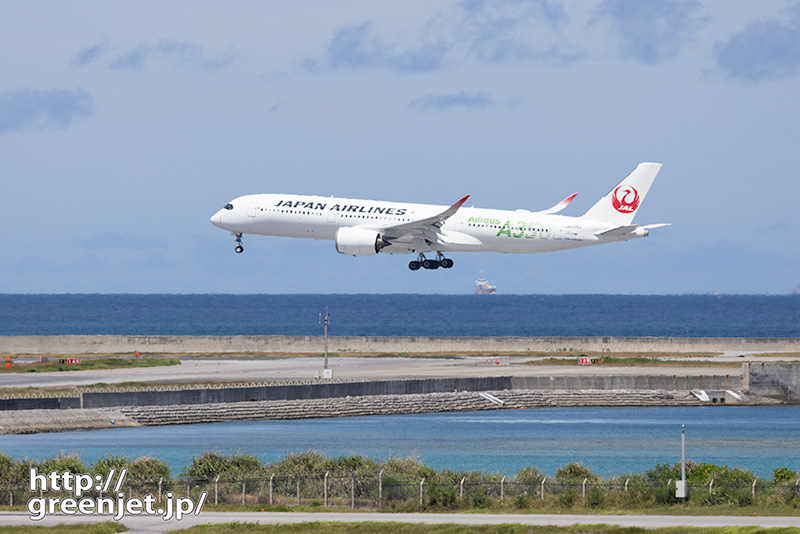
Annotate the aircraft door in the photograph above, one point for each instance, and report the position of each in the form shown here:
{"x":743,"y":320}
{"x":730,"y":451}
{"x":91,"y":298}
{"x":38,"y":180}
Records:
{"x":252,"y":208}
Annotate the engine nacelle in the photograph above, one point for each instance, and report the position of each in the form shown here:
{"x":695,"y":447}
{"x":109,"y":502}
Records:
{"x":359,"y":241}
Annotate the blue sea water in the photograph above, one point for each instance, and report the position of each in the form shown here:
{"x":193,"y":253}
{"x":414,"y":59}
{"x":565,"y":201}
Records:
{"x":608,"y":440}
{"x":611,"y":441}
{"x":403,"y":315}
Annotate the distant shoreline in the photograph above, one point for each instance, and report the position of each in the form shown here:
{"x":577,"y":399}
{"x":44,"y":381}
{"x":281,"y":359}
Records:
{"x":84,"y":344}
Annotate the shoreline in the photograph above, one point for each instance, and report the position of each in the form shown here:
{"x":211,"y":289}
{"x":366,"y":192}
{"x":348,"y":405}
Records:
{"x":352,"y":345}
{"x":36,"y":421}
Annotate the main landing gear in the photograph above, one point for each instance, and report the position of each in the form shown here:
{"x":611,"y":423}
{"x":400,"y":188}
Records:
{"x":423,"y":262}
{"x":239,"y":248}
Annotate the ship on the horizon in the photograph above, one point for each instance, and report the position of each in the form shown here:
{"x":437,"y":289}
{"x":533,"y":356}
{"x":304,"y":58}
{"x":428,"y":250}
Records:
{"x":482,"y":287}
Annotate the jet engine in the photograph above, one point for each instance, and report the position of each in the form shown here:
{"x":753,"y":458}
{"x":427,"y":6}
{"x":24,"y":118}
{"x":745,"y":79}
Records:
{"x":359,"y":241}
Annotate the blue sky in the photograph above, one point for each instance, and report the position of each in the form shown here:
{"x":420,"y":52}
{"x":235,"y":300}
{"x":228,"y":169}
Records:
{"x":125,"y":125}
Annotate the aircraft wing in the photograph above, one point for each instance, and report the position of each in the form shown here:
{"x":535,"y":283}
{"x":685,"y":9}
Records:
{"x":560,"y":206}
{"x":426,"y":229}
{"x":622,"y":230}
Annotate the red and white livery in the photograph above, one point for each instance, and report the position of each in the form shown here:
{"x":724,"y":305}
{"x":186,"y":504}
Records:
{"x":366,"y":227}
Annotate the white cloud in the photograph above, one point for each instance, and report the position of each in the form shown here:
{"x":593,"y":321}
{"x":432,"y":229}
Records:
{"x":179,"y":53}
{"x":507,"y":31}
{"x":763,"y":50}
{"x":462,"y":99}
{"x":43,"y":110}
{"x":652,"y":31}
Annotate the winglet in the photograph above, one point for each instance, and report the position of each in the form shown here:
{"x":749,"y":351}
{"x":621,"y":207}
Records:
{"x":561,"y":205}
{"x":452,"y":209}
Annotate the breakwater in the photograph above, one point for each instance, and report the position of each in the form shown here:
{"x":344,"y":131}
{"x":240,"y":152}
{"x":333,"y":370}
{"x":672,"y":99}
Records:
{"x":205,"y":394}
{"x":43,"y":420}
{"x":80,"y":344}
{"x":462,"y":401}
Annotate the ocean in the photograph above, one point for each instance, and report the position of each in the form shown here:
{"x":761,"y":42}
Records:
{"x":611,"y":441}
{"x":403,"y":315}
{"x":608,"y":440}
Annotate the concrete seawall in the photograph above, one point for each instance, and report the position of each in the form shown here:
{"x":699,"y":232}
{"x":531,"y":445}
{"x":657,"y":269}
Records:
{"x":367,"y":344}
{"x":767,"y":383}
{"x":372,"y":388}
{"x":43,"y":420}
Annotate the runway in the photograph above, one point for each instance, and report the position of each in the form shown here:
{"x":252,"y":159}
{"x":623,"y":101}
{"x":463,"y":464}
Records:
{"x":202,"y":370}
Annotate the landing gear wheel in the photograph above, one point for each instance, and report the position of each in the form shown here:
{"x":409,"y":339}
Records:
{"x":430,"y":264}
{"x":446,"y":263}
{"x":414,"y":265}
{"x":239,"y":249}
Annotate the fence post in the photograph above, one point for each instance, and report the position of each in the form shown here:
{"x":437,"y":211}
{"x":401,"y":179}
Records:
{"x":353,"y":490}
{"x":709,"y":486}
{"x":380,"y":487}
{"x":753,"y":492}
{"x":298,"y":489}
{"x":583,"y":491}
{"x":326,"y":489}
{"x":626,"y":485}
{"x":542,"y":495}
{"x":461,"y":491}
{"x":10,"y":494}
{"x":270,"y":488}
{"x":420,"y":491}
{"x":216,"y":490}
{"x":502,"y":487}
{"x":244,"y":489}
{"x":160,"y":480}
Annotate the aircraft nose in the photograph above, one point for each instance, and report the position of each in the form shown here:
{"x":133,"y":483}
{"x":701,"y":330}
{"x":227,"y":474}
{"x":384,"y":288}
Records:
{"x":216,"y":219}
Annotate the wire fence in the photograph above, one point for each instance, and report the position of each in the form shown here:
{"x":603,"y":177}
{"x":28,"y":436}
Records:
{"x":379,"y":492}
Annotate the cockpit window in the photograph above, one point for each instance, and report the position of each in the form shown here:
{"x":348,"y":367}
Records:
{"x":228,"y":206}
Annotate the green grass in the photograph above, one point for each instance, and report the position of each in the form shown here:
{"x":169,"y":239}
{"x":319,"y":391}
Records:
{"x":108,"y":527}
{"x":405,"y":528}
{"x":552,"y":508}
{"x":87,"y":364}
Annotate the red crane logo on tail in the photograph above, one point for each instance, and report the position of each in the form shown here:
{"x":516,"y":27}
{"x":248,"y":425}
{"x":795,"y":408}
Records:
{"x":625,"y":199}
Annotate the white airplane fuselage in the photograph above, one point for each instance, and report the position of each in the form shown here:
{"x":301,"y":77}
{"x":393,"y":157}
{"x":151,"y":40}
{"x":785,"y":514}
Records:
{"x":470,"y":229}
{"x":364,"y":227}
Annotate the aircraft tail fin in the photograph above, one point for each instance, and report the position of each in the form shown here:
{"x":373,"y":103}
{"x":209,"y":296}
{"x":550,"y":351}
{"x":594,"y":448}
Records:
{"x":621,"y":204}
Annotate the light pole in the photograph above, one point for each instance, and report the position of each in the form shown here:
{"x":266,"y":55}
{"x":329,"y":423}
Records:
{"x":324,"y":321}
{"x":680,"y":485}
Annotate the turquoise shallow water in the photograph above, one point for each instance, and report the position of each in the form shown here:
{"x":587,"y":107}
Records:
{"x":608,"y":440}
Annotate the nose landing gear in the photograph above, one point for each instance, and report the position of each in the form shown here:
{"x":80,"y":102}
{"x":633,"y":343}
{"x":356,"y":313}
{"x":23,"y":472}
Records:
{"x":425,"y":263}
{"x":239,"y":248}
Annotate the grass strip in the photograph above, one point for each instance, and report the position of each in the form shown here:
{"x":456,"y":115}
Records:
{"x":87,"y":364}
{"x":107,"y":527}
{"x":450,"y":528}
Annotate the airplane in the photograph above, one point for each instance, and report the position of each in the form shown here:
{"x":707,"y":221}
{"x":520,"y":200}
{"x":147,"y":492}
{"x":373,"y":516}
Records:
{"x":368,"y":227}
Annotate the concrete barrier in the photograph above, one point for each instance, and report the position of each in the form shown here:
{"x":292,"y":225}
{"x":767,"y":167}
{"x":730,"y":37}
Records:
{"x":626,"y":382}
{"x":331,"y":390}
{"x":47,"y":403}
{"x":294,"y":392}
{"x":780,"y":380}
{"x":367,"y":344}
